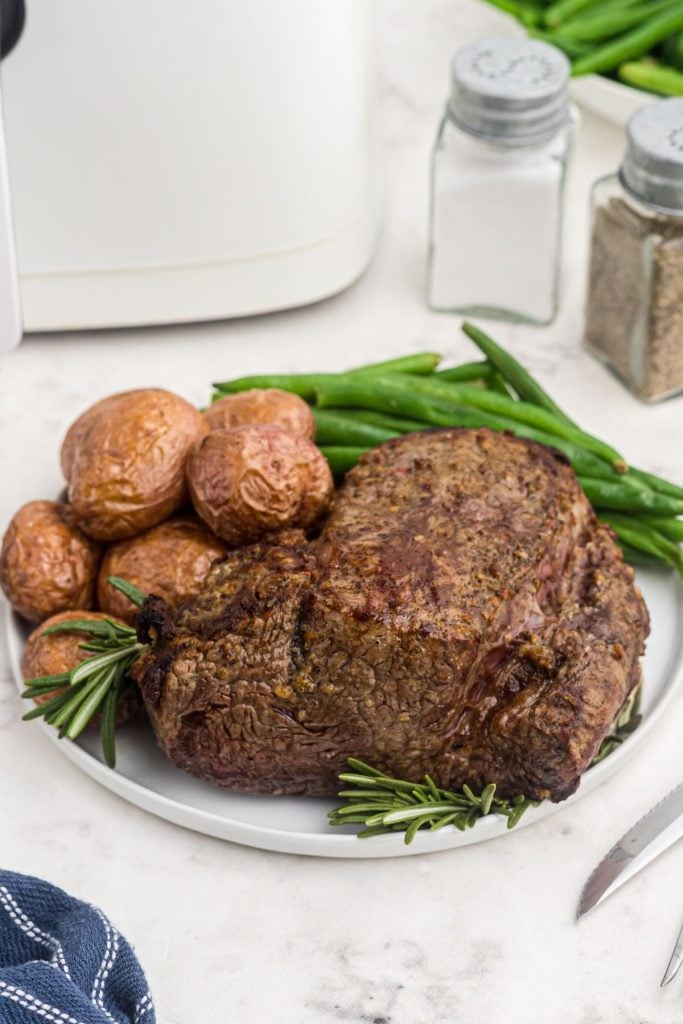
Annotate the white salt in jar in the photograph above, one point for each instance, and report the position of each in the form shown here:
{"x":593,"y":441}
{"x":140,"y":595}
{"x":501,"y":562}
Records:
{"x":498,"y":172}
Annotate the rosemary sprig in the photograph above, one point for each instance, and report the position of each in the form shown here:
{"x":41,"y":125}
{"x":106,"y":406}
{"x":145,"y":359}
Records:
{"x":384,"y":804}
{"x":98,"y":683}
{"x":626,"y":722}
{"x":381,"y":803}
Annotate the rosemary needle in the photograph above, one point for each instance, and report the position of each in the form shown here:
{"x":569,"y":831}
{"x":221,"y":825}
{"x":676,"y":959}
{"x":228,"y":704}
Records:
{"x":384,"y":804}
{"x":97,"y":683}
{"x":379,"y":802}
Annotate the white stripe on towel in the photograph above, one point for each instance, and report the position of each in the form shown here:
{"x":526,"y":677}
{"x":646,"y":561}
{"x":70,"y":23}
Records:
{"x":29,"y":1002}
{"x":110,"y":952}
{"x":27,"y":926}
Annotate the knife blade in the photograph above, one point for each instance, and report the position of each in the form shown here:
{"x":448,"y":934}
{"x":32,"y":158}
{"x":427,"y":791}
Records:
{"x":675,"y":961}
{"x":659,"y":829}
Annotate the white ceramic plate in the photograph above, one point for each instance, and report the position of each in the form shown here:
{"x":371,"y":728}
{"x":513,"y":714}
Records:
{"x":144,"y":777}
{"x":610,"y":100}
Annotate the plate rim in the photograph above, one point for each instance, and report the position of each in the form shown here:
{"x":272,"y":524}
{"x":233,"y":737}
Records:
{"x":329,"y":844}
{"x":597,"y":94}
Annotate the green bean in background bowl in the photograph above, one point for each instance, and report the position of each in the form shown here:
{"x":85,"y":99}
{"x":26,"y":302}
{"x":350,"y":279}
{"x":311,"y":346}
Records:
{"x":357,"y":409}
{"x":636,"y":42}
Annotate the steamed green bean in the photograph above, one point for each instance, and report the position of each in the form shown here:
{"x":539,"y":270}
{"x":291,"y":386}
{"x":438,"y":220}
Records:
{"x":334,"y":428}
{"x":503,"y":405}
{"x":632,"y":44}
{"x":389,"y":395}
{"x":305,"y":384}
{"x":513,"y":372}
{"x":380,"y":419}
{"x":622,"y":497}
{"x":342,"y":458}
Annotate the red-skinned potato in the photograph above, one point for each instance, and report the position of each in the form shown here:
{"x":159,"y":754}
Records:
{"x":268,"y":405}
{"x":53,"y":653}
{"x":251,"y":480}
{"x":47,"y":565}
{"x":124,"y":461}
{"x":170,"y":560}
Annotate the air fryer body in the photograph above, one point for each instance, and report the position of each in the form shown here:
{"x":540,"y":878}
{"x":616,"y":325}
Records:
{"x":173,"y":162}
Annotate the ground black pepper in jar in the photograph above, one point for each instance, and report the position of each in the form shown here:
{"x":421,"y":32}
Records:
{"x":634,"y":316}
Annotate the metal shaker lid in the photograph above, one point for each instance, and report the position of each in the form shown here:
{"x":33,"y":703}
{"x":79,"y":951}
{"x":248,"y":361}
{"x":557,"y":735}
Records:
{"x":510,"y":90}
{"x":653,"y":165}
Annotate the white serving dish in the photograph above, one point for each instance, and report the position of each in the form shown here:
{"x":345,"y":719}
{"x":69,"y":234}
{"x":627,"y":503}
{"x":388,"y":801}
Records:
{"x":145,"y":778}
{"x":610,"y":100}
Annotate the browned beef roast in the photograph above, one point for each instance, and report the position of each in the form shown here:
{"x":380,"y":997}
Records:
{"x":462,"y":614}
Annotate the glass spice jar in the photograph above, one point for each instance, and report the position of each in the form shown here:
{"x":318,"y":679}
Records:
{"x":634,"y":313}
{"x":498,"y":171}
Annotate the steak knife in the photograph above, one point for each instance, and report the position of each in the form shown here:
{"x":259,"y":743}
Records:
{"x":675,"y":961}
{"x":653,"y":834}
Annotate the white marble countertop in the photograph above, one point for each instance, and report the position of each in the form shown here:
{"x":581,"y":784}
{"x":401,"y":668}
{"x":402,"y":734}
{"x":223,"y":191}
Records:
{"x":482,"y":934}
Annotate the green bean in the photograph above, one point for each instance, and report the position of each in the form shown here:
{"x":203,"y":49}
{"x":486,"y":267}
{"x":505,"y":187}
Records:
{"x":618,"y":496}
{"x":642,"y":558}
{"x":570,"y":47}
{"x":513,"y":372}
{"x":302,"y":384}
{"x":334,"y":428}
{"x":642,"y":536}
{"x":656,"y":483}
{"x":583,"y":462}
{"x":502,"y":405}
{"x":631,"y":45}
{"x":645,"y":74}
{"x":564,"y":9}
{"x":672,"y":51}
{"x":527,"y":13}
{"x":391,"y":395}
{"x":305,"y":384}
{"x":670,"y":528}
{"x":629,"y":532}
{"x":605,"y":25}
{"x":381,"y":419}
{"x":397,"y":397}
{"x":342,"y":459}
{"x":418,"y":363}
{"x":466,"y":372}
{"x":497,"y":383}
{"x":602,"y":7}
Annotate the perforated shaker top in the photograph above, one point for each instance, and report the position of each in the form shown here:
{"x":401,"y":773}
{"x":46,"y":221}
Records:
{"x":653,"y":165}
{"x":509,"y":89}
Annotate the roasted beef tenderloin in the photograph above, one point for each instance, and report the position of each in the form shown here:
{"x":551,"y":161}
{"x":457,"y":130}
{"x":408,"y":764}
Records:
{"x":462,"y":613}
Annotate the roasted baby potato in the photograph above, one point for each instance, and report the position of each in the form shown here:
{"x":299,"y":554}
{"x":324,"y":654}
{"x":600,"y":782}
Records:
{"x":268,"y":405}
{"x":250,"y":480}
{"x":47,"y":565}
{"x":54,"y":653}
{"x":124,"y":461}
{"x":170,"y":560}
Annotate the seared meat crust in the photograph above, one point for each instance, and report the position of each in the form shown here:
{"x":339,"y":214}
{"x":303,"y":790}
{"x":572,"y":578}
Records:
{"x":462,"y":613}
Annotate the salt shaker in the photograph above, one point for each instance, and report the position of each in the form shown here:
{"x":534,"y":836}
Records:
{"x":498,"y":172}
{"x":634,"y":315}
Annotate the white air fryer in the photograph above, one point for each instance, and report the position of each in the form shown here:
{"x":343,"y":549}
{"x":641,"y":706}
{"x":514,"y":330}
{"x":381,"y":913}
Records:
{"x":173,"y":161}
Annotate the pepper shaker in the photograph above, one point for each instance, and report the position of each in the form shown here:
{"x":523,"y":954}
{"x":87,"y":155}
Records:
{"x":634,"y":314}
{"x":498,"y":172}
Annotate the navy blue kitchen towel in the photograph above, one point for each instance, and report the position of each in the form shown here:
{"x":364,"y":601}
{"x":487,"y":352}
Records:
{"x":62,"y":961}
